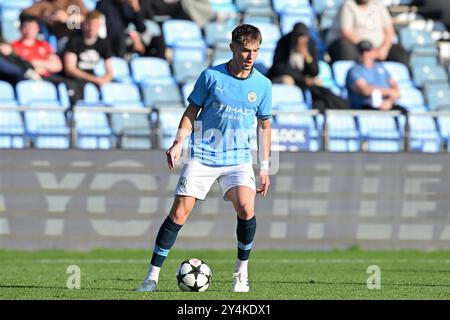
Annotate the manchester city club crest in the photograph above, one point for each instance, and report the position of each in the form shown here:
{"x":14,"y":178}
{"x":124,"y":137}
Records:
{"x":252,"y":96}
{"x":182,"y":182}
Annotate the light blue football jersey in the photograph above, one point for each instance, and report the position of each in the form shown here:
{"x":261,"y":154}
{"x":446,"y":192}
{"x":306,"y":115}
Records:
{"x":229,"y":105}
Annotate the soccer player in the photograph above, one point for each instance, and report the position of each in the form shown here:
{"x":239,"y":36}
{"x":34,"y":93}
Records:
{"x":222,"y":109}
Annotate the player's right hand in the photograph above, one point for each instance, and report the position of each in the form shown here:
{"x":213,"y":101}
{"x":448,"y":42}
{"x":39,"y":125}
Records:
{"x":173,"y":154}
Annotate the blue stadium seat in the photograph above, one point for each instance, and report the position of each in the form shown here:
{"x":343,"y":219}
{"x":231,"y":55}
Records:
{"x":290,"y":18}
{"x":436,"y":86}
{"x":270,"y":34}
{"x":412,"y":39}
{"x":37,"y":93}
{"x":222,"y":53}
{"x":243,"y":5}
{"x":91,"y":94}
{"x":281,"y":6}
{"x":162,"y":96}
{"x":380,"y":132}
{"x":169,"y":126}
{"x":11,"y":129}
{"x":124,"y":95}
{"x":429,"y":50}
{"x":63,"y":94}
{"x":216,"y":32}
{"x":419,"y":60}
{"x":186,"y":90}
{"x":151,"y":70}
{"x":152,"y":27}
{"x":399,"y":72}
{"x":426,"y":74}
{"x":327,"y":18}
{"x":444,"y":129}
{"x":121,"y":70}
{"x":287,"y":98}
{"x":9,"y":18}
{"x":340,"y":69}
{"x":7,"y":98}
{"x":222,"y":5}
{"x":175,"y":30}
{"x":47,"y":129}
{"x":264,"y":60}
{"x":189,"y":50}
{"x":320,"y":6}
{"x":438,"y":96}
{"x":254,"y":15}
{"x":90,"y":4}
{"x":185,"y":71}
{"x":326,"y":77}
{"x":132,"y":130}
{"x":93,"y":131}
{"x":424,"y":136}
{"x":343,"y":133}
{"x":412,"y":99}
{"x":19,"y":4}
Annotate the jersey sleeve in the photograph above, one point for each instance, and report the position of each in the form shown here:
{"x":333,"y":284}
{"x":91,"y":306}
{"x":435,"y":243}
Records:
{"x":71,"y":46}
{"x":106,"y":51}
{"x":265,"y":108}
{"x":199,"y":94}
{"x":353,"y":75}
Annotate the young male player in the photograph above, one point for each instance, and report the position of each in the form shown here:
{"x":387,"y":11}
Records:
{"x":228,"y":97}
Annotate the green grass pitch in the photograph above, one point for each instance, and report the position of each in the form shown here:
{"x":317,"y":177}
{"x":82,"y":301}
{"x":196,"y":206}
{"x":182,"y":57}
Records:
{"x":274,"y":275}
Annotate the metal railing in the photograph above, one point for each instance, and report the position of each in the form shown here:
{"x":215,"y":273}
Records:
{"x":155,"y":134}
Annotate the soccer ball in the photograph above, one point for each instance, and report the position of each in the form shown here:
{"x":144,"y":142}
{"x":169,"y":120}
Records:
{"x":193,"y":275}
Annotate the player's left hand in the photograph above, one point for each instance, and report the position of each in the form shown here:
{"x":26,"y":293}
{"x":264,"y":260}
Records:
{"x":264,"y":183}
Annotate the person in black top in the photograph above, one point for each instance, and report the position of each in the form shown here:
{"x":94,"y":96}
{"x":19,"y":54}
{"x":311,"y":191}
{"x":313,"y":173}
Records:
{"x":81,"y":55}
{"x":118,"y":14}
{"x":295,"y":62}
{"x":199,"y":11}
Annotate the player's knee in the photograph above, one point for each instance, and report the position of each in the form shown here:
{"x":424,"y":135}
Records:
{"x":179,"y":215}
{"x":245,"y":211}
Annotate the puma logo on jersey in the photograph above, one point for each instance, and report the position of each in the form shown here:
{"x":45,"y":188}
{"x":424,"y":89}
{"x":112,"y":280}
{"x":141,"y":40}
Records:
{"x":221,"y":90}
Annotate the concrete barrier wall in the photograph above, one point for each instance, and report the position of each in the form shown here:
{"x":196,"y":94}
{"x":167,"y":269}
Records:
{"x":89,"y":199}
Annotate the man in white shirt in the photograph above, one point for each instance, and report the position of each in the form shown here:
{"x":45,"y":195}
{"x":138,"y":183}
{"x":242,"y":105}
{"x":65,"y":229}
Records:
{"x":364,"y":20}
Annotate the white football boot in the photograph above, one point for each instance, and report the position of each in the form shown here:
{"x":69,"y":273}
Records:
{"x":240,"y":282}
{"x":147,"y":286}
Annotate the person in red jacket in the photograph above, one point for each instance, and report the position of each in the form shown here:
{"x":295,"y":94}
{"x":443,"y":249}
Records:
{"x":37,"y":52}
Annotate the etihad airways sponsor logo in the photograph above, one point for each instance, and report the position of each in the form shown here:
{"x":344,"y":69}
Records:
{"x":233,"y":110}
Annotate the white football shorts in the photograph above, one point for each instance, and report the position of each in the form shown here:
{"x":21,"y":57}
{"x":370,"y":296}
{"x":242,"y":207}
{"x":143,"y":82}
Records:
{"x":196,"y":179}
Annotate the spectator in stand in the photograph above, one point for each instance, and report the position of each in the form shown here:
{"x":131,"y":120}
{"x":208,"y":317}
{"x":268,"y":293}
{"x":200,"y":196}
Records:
{"x":13,"y":68}
{"x":295,"y":62}
{"x":199,"y":11}
{"x":37,"y":52}
{"x":364,"y":19}
{"x":83,"y":52}
{"x":118,"y":15}
{"x":369,"y":84}
{"x":61,"y":17}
